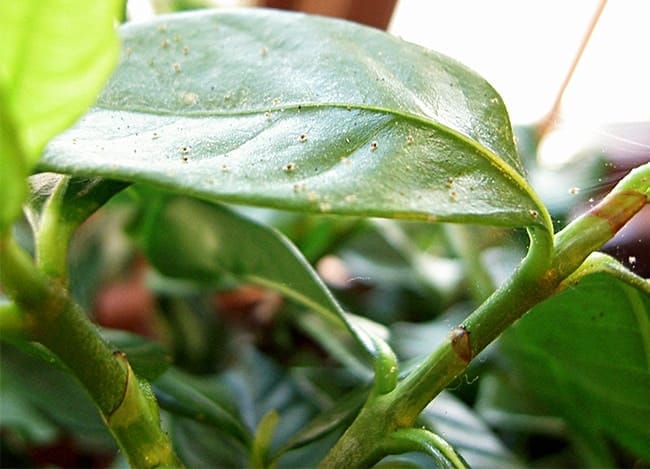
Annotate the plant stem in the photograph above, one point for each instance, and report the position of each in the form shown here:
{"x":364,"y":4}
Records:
{"x":400,"y":408}
{"x":55,"y":320}
{"x":536,"y":279}
{"x":418,"y":439}
{"x":592,"y":229}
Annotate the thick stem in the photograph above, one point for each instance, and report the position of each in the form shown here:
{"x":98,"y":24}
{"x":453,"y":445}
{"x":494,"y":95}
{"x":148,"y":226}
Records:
{"x":400,"y":408}
{"x":536,"y":279}
{"x":55,"y":320}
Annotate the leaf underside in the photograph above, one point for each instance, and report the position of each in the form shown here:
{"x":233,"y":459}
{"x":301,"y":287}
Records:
{"x":304,"y":113}
{"x":585,"y":353}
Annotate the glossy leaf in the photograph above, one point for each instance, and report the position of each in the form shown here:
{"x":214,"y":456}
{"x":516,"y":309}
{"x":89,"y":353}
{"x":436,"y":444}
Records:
{"x":585,"y":354}
{"x":55,"y":56}
{"x":195,"y":240}
{"x":306,"y":113}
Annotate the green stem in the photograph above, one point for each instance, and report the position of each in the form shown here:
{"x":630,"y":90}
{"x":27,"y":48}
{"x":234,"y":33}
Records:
{"x":69,"y":204}
{"x":52,"y":236}
{"x":419,"y":439}
{"x":383,"y":414}
{"x":55,"y":320}
{"x":536,"y":279}
{"x":592,"y":229}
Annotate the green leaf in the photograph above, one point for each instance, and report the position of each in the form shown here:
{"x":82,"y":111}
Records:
{"x":67,"y":201}
{"x":55,"y":56}
{"x":263,"y":438}
{"x":306,"y":113}
{"x":585,"y":353}
{"x":191,"y":239}
{"x":13,"y":187}
{"x":177,"y":393}
{"x":50,"y":392}
{"x":331,"y":419}
{"x":59,"y":204}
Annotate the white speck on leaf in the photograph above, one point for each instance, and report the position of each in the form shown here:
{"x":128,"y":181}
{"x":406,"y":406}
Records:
{"x":189,"y":97}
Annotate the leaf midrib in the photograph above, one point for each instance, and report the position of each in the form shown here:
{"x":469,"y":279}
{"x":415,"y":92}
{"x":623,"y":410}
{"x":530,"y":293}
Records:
{"x":500,"y":164}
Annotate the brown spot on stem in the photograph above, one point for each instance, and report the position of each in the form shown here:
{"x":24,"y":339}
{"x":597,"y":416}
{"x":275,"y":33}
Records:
{"x":618,"y":207}
{"x":460,"y":343}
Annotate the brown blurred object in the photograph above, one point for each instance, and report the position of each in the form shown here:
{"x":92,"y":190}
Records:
{"x":248,"y":305}
{"x":376,"y":13}
{"x":127,"y":304}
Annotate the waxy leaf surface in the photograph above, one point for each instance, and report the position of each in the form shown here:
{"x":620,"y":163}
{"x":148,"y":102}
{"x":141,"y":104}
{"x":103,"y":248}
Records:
{"x":304,"y":113}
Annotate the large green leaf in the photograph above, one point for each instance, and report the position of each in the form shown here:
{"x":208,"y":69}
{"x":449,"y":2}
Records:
{"x":55,"y":56}
{"x":585,"y":353}
{"x":305,"y":113}
{"x":187,"y":238}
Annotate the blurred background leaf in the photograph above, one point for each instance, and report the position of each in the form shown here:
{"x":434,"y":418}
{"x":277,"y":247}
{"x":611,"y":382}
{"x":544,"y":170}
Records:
{"x":585,"y":355}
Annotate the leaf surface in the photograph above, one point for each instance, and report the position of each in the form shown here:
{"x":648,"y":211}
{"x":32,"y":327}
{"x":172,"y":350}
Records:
{"x":585,"y":354}
{"x":305,"y":113}
{"x":191,"y":239}
{"x":54,"y":59}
